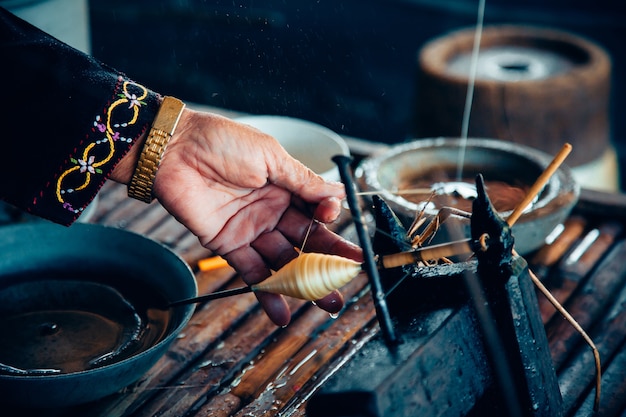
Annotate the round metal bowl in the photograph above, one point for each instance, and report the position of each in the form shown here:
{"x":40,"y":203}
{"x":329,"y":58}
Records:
{"x":427,"y":161}
{"x":113,"y":277}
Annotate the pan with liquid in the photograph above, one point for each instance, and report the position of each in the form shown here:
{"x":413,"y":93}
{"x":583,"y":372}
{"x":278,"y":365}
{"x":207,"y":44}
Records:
{"x":81,"y":311}
{"x":423,"y":175}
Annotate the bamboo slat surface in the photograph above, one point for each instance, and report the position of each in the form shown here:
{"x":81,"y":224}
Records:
{"x":231,"y":360}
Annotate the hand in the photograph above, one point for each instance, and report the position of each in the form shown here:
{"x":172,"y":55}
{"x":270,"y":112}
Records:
{"x":248,"y":200}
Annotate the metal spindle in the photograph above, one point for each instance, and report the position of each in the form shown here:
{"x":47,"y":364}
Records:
{"x":369,"y":263}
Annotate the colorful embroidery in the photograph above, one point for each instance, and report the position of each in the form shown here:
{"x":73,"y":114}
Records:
{"x":100,"y":148}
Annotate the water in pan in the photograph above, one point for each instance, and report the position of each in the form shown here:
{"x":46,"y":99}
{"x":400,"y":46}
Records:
{"x":64,"y":324}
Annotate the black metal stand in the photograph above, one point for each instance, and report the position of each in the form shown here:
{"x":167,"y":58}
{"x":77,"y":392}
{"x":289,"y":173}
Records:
{"x":369,"y":262}
{"x":449,"y":362}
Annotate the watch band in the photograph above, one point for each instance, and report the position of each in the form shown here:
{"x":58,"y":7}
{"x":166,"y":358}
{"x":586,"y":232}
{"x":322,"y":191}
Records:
{"x":162,"y":129}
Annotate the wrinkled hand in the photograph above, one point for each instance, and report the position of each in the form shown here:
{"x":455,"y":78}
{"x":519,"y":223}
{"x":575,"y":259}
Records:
{"x":246,"y":199}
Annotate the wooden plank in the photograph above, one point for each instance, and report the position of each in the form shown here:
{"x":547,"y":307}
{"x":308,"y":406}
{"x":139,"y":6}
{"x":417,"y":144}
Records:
{"x":575,"y":267}
{"x":601,"y":204}
{"x":301,"y":367}
{"x":111,"y":196}
{"x":215,"y":369}
{"x":124,"y":213}
{"x":224,"y":366}
{"x":275,"y":356}
{"x":190,"y":249}
{"x":206,"y":371}
{"x":149,"y":220}
{"x":613,"y":402}
{"x":577,"y":377}
{"x":587,"y":305}
{"x":545,"y":260}
{"x":548,"y":256}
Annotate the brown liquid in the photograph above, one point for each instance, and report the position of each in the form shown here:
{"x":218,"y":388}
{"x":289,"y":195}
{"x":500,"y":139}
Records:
{"x":504,"y":196}
{"x":82,"y":326}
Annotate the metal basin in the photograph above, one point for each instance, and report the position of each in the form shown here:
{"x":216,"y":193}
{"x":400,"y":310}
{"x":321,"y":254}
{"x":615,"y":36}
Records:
{"x":82,"y":311}
{"x":509,"y":169}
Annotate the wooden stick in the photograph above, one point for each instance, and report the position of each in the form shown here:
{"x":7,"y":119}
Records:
{"x":425,"y":253}
{"x":539,"y":184}
{"x":530,"y":196}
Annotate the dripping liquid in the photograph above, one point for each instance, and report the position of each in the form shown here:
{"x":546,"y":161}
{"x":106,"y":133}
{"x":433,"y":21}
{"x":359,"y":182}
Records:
{"x":60,"y":323}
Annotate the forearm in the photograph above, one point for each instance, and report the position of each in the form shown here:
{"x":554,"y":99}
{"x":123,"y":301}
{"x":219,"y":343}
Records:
{"x":68,"y":122}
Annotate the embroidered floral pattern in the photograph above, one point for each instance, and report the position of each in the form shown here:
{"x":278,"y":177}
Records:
{"x":95,"y":156}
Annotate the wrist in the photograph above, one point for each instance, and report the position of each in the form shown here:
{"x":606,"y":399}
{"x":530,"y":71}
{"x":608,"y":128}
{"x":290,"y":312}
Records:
{"x":123,"y":171}
{"x":141,"y":183}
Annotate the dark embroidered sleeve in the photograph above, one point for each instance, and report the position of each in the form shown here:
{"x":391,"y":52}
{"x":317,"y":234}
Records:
{"x":81,"y":175}
{"x":67,"y":121}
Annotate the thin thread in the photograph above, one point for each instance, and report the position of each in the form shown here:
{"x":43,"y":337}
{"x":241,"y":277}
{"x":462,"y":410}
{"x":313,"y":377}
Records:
{"x":494,"y":343}
{"x":397,"y":284}
{"x":469,"y":98}
{"x":399,"y":192}
{"x":306,"y":236}
{"x":406,"y":245}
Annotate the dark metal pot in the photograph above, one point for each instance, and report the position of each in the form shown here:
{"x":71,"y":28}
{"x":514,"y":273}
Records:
{"x":85,"y":258}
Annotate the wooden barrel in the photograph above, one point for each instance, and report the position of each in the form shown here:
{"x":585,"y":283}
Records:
{"x":534,"y":86}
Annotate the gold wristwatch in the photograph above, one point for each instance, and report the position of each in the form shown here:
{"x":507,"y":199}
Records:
{"x":161,"y":132}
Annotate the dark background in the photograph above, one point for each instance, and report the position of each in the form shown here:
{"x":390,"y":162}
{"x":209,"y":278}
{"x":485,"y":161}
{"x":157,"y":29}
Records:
{"x":347,"y":64}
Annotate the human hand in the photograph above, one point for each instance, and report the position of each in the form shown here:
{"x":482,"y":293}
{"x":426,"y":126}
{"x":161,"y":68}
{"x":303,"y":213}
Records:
{"x":248,"y":200}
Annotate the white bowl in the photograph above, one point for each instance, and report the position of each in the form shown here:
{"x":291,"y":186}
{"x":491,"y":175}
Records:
{"x":312,"y":144}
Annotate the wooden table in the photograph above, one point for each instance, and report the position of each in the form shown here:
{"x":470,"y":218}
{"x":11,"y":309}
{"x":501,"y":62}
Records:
{"x":231,"y":360}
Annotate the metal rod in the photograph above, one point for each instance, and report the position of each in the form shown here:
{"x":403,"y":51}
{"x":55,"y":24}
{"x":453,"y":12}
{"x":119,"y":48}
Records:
{"x":388,"y":261}
{"x":378,"y":295}
{"x":212,"y":296}
{"x":493,"y":306}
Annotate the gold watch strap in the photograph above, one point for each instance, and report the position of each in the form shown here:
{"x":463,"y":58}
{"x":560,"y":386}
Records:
{"x":162,"y":129}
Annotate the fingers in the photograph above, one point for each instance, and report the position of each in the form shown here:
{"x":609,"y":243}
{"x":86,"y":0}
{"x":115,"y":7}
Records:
{"x":275,"y":249}
{"x":275,"y":307}
{"x":235,"y":188}
{"x":252,"y":268}
{"x":328,"y":210}
{"x":278,"y":251}
{"x":295,"y":177}
{"x":294,"y":225}
{"x":333,"y":302}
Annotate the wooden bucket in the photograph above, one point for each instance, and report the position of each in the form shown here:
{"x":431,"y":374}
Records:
{"x":534,"y":86}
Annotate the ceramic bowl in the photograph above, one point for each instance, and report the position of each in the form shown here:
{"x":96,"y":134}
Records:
{"x":431,"y":163}
{"x":312,"y":144}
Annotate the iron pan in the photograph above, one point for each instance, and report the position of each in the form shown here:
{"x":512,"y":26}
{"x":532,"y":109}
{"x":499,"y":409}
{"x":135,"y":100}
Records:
{"x":41,"y":247}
